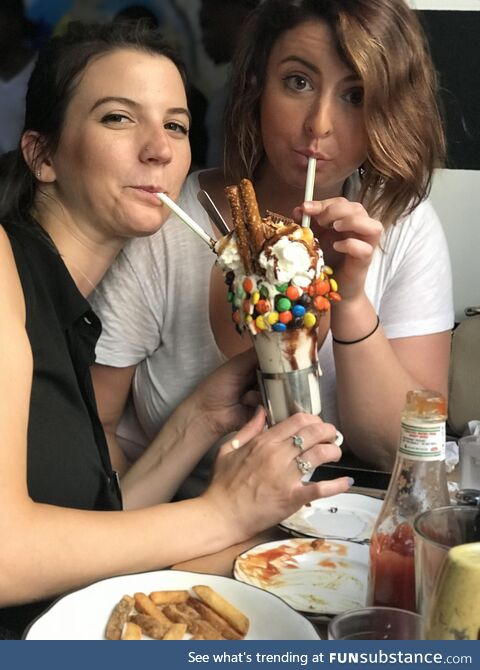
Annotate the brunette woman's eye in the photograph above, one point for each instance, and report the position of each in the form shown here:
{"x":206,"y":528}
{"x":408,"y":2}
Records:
{"x":354,"y":96}
{"x":115,"y":117}
{"x":177,"y":127}
{"x":296,"y":82}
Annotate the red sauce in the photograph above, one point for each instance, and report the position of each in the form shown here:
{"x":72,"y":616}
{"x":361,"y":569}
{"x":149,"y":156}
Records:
{"x":392,"y":569}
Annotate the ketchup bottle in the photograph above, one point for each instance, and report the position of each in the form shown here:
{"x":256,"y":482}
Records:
{"x":418,"y":483}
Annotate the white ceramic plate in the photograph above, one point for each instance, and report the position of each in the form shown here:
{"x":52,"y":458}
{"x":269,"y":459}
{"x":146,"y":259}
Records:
{"x":317,"y":577}
{"x":347,"y":516}
{"x":83,"y":614}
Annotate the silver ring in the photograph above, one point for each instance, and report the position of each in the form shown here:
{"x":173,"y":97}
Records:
{"x":298,"y":441}
{"x":305,"y":467}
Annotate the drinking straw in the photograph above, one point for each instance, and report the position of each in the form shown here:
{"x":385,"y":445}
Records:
{"x":309,"y":187}
{"x":186,"y":219}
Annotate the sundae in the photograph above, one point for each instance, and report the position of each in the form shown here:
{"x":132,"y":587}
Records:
{"x":278,"y":287}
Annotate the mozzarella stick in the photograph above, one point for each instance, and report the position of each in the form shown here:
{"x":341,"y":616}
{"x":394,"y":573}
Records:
{"x":207,"y":614}
{"x":118,"y":618}
{"x":131,"y":631}
{"x":176,"y":631}
{"x":144,"y":605}
{"x":168,"y":597}
{"x":222,"y":607}
{"x":150,"y":626}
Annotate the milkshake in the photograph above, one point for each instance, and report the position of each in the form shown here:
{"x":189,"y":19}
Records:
{"x":278,"y":286}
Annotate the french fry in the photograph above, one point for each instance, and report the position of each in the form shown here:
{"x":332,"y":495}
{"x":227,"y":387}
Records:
{"x":168,"y":597}
{"x":203,"y":628}
{"x":131,"y":631}
{"x":144,"y":605}
{"x":215,"y":620}
{"x":176,"y":631}
{"x":118,"y":618}
{"x":151,"y":626}
{"x":176,"y":615}
{"x":170,"y":614}
{"x":222,"y":607}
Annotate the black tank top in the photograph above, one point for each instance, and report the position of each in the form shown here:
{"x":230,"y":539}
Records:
{"x":68,"y":462}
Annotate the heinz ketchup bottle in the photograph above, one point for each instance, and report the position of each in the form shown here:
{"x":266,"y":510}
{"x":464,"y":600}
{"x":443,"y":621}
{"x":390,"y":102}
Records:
{"x":418,"y":483}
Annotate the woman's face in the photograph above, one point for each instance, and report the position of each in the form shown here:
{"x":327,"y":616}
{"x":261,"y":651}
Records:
{"x":125,"y":137}
{"x":312,"y":105}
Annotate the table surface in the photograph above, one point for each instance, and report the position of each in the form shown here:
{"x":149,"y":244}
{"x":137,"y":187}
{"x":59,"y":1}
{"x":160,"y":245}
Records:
{"x":221,"y":563}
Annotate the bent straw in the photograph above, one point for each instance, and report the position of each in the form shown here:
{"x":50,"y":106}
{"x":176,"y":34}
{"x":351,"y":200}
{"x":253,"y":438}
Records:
{"x":186,"y":219}
{"x":309,"y":187}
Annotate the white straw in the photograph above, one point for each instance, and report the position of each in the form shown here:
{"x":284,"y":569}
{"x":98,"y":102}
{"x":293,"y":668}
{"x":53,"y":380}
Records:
{"x":186,"y":219}
{"x":309,"y":187}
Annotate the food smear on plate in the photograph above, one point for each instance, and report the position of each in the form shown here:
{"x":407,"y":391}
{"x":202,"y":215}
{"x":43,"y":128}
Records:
{"x":314,"y":576}
{"x":177,"y":615}
{"x":269,"y":564}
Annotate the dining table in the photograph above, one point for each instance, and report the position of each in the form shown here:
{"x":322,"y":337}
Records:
{"x":222,"y":562}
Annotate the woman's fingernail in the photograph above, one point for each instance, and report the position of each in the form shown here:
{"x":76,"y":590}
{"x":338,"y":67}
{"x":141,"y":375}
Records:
{"x":350,"y":481}
{"x":307,"y":206}
{"x":235,"y":444}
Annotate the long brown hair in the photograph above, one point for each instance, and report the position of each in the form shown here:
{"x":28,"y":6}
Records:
{"x":383,"y":42}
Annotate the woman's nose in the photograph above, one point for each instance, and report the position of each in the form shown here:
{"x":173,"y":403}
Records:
{"x":319,"y":121}
{"x":156,"y":148}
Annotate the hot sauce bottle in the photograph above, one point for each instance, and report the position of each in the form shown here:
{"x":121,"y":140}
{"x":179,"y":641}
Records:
{"x":418,"y":483}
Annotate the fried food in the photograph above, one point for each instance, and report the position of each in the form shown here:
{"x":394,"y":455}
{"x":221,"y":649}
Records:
{"x":222,"y":607}
{"x":151,"y":626}
{"x":118,"y":618}
{"x":176,"y":614}
{"x":131,"y":631}
{"x":176,"y":632}
{"x":167,"y":597}
{"x":144,"y":605}
{"x":207,"y":614}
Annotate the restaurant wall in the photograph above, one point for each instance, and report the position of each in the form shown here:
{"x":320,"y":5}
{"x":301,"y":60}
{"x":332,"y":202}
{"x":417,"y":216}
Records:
{"x":453,"y":29}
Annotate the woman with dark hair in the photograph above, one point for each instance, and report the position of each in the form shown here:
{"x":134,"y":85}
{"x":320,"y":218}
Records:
{"x":107,"y":127}
{"x":351,"y":83}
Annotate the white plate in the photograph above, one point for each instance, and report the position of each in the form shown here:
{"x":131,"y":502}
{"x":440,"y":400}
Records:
{"x":318,"y":577}
{"x":83,"y":614}
{"x":347,"y":516}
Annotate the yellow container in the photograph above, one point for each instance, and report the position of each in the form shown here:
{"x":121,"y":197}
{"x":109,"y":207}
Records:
{"x":454,"y":613}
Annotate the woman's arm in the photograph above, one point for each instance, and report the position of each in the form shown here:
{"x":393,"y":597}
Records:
{"x":112,"y":387}
{"x":374,"y":374}
{"x":47,"y":549}
{"x":373,"y":378}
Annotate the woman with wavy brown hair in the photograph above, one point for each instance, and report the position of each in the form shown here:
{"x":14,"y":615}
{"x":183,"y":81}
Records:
{"x":351,"y":83}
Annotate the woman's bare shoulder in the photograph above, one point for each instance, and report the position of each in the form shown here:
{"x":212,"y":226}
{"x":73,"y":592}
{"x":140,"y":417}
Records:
{"x":11,"y":296}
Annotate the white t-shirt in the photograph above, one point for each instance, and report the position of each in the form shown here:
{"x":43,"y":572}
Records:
{"x":154,"y":307}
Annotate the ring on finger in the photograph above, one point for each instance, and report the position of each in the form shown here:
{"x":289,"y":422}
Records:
{"x":298,"y":441}
{"x":305,"y":467}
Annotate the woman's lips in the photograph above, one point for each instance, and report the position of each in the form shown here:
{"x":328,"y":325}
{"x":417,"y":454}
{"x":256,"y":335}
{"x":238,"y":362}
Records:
{"x":301,"y":159}
{"x":148,"y":194}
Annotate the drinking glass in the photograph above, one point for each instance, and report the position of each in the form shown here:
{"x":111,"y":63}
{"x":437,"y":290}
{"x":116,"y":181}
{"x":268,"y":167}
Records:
{"x":437,"y":531}
{"x":376,"y":623}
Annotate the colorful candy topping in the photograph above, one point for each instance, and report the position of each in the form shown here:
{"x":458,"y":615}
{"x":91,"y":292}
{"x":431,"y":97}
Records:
{"x":273,"y":268}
